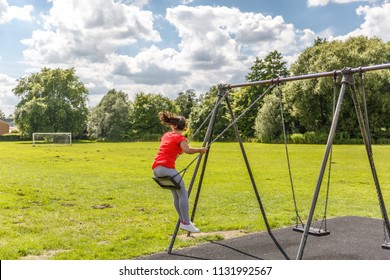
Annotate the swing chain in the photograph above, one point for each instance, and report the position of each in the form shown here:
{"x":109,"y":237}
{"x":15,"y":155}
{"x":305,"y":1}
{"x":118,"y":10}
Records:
{"x":324,"y":218}
{"x":297,"y":217}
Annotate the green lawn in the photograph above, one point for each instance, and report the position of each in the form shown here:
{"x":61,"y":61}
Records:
{"x":98,"y":201}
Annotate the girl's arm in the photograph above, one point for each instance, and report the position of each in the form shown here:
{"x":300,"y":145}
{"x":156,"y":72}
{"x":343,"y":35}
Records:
{"x":189,"y":150}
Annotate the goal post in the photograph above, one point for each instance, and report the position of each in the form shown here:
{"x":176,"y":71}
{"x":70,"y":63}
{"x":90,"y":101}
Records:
{"x":60,"y":138}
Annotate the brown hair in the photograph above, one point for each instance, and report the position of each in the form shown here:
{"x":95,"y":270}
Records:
{"x":171,"y":119}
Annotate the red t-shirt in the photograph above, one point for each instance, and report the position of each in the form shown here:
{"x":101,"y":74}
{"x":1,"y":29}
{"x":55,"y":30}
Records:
{"x":169,"y":150}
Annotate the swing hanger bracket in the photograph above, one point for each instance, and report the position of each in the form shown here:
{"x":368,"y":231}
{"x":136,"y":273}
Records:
{"x":347,"y":76}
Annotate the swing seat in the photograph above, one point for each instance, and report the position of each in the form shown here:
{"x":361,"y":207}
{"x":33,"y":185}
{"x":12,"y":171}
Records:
{"x":166,"y":182}
{"x":386,"y":245}
{"x":312,"y":230}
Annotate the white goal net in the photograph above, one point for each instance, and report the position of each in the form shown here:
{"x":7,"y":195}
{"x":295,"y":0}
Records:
{"x":61,"y":138}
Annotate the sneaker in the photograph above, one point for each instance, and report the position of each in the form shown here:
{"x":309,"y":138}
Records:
{"x":190,"y":227}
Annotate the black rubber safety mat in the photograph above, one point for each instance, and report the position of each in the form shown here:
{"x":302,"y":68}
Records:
{"x":350,"y":238}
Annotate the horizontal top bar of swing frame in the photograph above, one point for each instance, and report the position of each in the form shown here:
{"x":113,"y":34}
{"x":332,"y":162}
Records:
{"x":311,"y":76}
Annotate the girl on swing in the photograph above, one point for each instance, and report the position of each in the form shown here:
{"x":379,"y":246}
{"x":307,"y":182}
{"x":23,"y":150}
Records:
{"x":173,"y":144}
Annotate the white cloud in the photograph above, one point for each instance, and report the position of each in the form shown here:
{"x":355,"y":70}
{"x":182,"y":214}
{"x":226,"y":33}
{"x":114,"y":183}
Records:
{"x":85,"y":35}
{"x":219,"y":44}
{"x":9,"y":13}
{"x":7,"y":98}
{"x":138,"y":3}
{"x":77,"y":31}
{"x":376,"y":22}
{"x":216,"y":45}
{"x":151,"y":66}
{"x":315,"y":3}
{"x":186,"y":1}
{"x":326,"y":33}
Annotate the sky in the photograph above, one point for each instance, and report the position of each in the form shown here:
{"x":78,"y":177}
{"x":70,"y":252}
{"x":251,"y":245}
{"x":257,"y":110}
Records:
{"x":157,"y":46}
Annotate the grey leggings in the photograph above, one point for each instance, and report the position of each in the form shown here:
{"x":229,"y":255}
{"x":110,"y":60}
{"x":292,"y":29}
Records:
{"x":180,"y":197}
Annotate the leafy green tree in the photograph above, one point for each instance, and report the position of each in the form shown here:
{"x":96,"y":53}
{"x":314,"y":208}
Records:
{"x":144,"y":121}
{"x":268,"y":124}
{"x":53,"y":100}
{"x":202,"y":110}
{"x":2,"y":115}
{"x":186,"y":101}
{"x":109,"y":119}
{"x":272,"y":66}
{"x":312,"y":99}
{"x":319,"y":41}
{"x":378,"y":103}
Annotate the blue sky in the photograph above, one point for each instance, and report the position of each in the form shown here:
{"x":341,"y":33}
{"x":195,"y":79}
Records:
{"x":168,"y":46}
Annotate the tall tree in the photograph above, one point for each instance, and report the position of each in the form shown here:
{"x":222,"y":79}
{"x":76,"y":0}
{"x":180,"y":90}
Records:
{"x":272,"y":66}
{"x":312,"y":99}
{"x":186,"y":101}
{"x":202,"y":110}
{"x":2,"y":115}
{"x":109,"y":119}
{"x":144,"y":122}
{"x":319,"y":41}
{"x":268,"y":125}
{"x":53,"y":100}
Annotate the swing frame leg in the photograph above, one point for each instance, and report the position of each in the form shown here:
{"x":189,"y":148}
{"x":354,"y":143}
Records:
{"x":207,"y":139}
{"x":347,"y":79}
{"x":254,"y":186}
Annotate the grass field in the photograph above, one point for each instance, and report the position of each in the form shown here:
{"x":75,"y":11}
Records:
{"x":98,"y":201}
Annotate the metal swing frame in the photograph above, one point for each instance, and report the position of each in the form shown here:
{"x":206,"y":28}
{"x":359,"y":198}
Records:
{"x":347,"y":80}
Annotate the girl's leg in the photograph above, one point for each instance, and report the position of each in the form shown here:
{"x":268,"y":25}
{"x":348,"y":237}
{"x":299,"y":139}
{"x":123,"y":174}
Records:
{"x":183,"y":204}
{"x":176,"y":203}
{"x":180,"y":197}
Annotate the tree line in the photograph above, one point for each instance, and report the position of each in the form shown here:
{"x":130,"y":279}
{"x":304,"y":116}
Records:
{"x":54,"y":100}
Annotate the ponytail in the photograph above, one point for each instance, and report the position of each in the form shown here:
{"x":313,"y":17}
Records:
{"x":171,"y":119}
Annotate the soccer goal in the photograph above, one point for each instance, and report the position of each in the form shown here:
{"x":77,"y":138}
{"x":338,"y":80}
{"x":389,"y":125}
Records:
{"x":60,"y":138}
